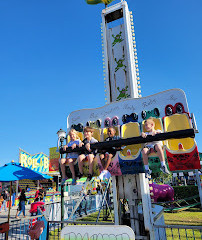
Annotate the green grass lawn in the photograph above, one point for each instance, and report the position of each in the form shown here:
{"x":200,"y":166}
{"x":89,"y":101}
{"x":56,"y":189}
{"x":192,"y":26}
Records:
{"x":55,"y":234}
{"x":192,"y":216}
{"x":93,"y":217}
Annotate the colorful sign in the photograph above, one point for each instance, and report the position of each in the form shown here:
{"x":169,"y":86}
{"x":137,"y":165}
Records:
{"x":38,"y":162}
{"x":54,"y":157}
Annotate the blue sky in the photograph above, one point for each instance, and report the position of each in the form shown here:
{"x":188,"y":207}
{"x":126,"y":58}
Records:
{"x":51,"y":63}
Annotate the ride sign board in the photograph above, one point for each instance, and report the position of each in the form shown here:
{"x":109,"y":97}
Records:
{"x":97,"y":232}
{"x":54,"y":157}
{"x":38,"y":162}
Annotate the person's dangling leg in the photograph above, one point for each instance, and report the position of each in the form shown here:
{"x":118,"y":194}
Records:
{"x":62,"y":166}
{"x":90,"y":164}
{"x":159,"y":151}
{"x":145,"y":153}
{"x":109,"y":159}
{"x":102,"y":160}
{"x":80,"y":164}
{"x":71,"y":166}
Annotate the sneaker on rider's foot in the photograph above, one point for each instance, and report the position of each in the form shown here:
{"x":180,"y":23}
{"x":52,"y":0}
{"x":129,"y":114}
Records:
{"x":89,"y":177}
{"x":101,"y":176}
{"x":164,"y":169}
{"x":105,"y":174}
{"x":80,"y":175}
{"x":148,"y":173}
{"x":63,"y":181}
{"x":73,"y":181}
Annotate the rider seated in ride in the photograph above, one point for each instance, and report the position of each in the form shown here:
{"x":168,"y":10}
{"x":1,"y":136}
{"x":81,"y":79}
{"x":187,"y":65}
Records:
{"x":150,"y":147}
{"x":71,"y":157}
{"x":88,"y":134}
{"x":106,"y":156}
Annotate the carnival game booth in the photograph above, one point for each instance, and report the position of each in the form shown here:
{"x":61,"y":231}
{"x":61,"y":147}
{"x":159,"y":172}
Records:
{"x":50,"y":196}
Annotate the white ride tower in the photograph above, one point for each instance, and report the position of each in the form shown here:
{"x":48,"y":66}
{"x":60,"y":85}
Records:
{"x":121,"y":77}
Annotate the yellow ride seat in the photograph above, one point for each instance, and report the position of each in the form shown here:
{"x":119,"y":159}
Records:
{"x":80,"y":134}
{"x":105,"y":135}
{"x":174,"y":123}
{"x":158,"y":126}
{"x":129,"y":130}
{"x":97,"y":133}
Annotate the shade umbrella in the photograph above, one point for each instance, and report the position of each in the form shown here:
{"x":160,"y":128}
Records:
{"x":13,"y":172}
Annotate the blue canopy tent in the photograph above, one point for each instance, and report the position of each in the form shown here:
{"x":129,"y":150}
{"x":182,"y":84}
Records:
{"x":13,"y":172}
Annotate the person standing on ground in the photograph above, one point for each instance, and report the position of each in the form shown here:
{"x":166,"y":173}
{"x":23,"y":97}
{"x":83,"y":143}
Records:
{"x":5,"y":199}
{"x":83,"y":202}
{"x":36,"y":195}
{"x":22,"y":200}
{"x":13,"y":197}
{"x":27,"y":188}
{"x":1,"y":202}
{"x":44,"y":195}
{"x":41,"y":194}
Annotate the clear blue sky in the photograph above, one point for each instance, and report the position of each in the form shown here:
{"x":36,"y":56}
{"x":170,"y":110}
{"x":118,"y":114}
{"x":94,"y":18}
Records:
{"x":51,"y":63}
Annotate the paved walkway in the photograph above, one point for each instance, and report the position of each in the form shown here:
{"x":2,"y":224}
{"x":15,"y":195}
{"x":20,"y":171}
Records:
{"x":4,"y":214}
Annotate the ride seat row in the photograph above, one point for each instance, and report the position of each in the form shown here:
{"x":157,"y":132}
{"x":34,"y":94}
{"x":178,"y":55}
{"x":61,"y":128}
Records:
{"x":132,"y":129}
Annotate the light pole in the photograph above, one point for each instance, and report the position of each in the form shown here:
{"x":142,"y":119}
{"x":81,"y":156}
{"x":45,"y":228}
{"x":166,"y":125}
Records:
{"x":61,"y":137}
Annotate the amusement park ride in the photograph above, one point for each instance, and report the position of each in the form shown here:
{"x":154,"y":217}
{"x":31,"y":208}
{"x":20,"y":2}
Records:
{"x":126,"y":110}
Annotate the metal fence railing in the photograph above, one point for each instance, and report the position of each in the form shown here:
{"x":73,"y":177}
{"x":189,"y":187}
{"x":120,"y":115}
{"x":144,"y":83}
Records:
{"x":175,"y":232}
{"x":19,"y":228}
{"x":89,"y":205}
{"x":54,"y":227}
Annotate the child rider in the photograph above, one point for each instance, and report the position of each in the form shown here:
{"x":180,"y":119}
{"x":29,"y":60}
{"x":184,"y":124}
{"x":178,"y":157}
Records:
{"x":71,"y":157}
{"x":150,"y":147}
{"x":107,"y":158}
{"x":88,"y":134}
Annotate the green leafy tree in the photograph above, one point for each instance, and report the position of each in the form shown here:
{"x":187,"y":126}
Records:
{"x":160,"y":177}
